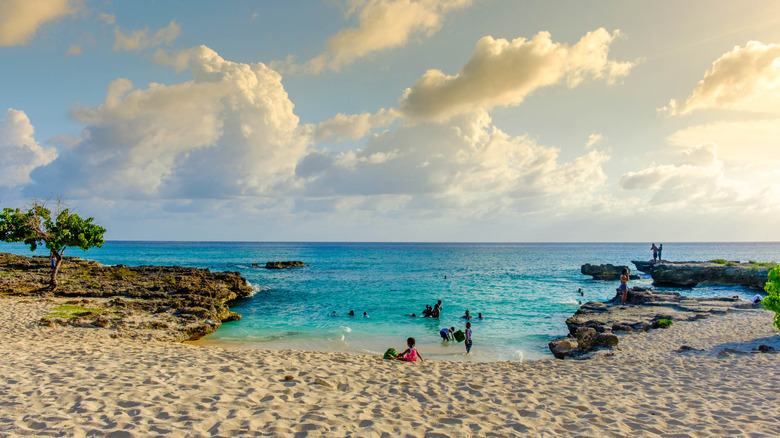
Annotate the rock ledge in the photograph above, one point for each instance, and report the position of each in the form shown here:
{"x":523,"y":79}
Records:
{"x":168,"y":303}
{"x":594,"y":325}
{"x":692,"y":274}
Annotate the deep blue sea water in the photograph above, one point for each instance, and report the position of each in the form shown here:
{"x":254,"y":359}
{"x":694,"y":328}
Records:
{"x":524,"y":290}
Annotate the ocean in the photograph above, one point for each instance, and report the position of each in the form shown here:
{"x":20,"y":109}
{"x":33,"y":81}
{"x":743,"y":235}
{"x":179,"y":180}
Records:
{"x":525,"y":291}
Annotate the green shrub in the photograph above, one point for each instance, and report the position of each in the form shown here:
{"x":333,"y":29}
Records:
{"x":772,"y":288}
{"x":664,"y":323}
{"x":724,"y":262}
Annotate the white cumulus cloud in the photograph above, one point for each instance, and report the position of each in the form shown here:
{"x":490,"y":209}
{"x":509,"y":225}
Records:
{"x":21,"y":153}
{"x":230,"y":131}
{"x":20,"y":19}
{"x":700,"y":180}
{"x":745,"y":142}
{"x":593,"y":139}
{"x":141,"y":39}
{"x":503,"y":73}
{"x":746,"y":78}
{"x":465,"y":166}
{"x":382,"y":25}
{"x":354,"y":126}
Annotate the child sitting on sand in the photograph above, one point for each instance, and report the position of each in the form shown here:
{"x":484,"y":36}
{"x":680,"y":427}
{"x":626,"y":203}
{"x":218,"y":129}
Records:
{"x":410,"y":354}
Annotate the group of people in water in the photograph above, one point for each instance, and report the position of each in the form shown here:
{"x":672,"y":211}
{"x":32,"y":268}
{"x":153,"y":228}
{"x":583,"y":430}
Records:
{"x":430,"y":312}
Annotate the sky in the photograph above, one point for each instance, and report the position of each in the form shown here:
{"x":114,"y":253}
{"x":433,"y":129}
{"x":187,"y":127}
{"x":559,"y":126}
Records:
{"x":396,"y":120}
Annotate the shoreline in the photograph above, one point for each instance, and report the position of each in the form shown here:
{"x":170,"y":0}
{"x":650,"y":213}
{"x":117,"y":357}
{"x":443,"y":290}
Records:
{"x":78,"y":381}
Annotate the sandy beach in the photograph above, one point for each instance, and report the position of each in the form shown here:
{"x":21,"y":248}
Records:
{"x":66,"y":381}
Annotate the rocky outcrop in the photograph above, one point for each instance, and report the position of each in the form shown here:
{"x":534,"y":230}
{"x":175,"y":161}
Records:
{"x":607,"y":271}
{"x":594,"y":325}
{"x":156,"y":302}
{"x":284,"y":265}
{"x":692,"y":274}
{"x":584,"y":341}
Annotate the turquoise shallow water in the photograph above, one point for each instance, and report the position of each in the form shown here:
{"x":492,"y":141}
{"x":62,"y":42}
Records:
{"x":524,"y":290}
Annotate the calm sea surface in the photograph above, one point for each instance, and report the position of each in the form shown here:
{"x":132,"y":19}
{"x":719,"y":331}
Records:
{"x":524,"y":290}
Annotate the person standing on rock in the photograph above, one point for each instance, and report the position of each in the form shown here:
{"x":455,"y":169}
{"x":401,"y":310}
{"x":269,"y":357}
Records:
{"x":660,"y":250}
{"x":624,"y":286}
{"x":655,"y":252}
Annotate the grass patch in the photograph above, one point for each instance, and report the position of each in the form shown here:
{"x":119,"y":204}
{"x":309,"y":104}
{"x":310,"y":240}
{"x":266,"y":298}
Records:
{"x":123,"y":273}
{"x":67,"y":311}
{"x":724,"y":262}
{"x":169,"y":280}
{"x":664,"y":323}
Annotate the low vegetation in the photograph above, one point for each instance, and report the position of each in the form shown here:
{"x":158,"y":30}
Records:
{"x":761,"y":265}
{"x":772,"y":300}
{"x":123,"y":273}
{"x":664,"y":323}
{"x":67,"y":311}
{"x":724,"y":262}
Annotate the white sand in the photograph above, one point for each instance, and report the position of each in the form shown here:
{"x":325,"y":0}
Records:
{"x":66,"y":381}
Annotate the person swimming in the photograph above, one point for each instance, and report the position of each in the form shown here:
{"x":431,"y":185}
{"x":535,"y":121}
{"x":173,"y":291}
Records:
{"x":466,"y":316}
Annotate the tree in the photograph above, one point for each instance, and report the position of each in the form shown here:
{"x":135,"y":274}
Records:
{"x":35,"y":227}
{"x":772,"y":288}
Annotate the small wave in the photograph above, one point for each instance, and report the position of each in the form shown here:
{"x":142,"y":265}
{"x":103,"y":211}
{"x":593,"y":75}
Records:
{"x":518,"y":355}
{"x":346,"y":329}
{"x":568,"y":301}
{"x":257,"y":288}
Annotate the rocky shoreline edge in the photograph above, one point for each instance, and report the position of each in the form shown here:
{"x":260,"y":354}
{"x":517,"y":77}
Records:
{"x":164,"y":303}
{"x":593,"y":328}
{"x":714,"y":272}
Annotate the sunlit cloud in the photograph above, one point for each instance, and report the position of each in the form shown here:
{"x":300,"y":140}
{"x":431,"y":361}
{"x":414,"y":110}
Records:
{"x":355,"y":126}
{"x":593,"y":139}
{"x":74,"y":50}
{"x":466,"y":166}
{"x":746,"y":78}
{"x":748,"y":142}
{"x":20,"y":151}
{"x":504,"y":73}
{"x":20,"y":19}
{"x":141,"y":39}
{"x":382,"y":25}
{"x":107,"y":18}
{"x":230,"y":131}
{"x":700,"y":180}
